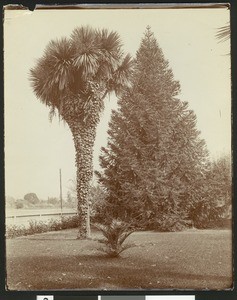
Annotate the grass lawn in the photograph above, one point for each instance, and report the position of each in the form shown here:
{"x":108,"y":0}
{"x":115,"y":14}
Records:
{"x":195,"y":259}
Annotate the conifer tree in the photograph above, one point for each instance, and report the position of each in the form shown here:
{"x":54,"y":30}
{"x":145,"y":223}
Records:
{"x":155,"y":162}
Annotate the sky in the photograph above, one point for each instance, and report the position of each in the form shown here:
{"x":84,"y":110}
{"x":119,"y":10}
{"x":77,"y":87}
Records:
{"x":36,"y":149}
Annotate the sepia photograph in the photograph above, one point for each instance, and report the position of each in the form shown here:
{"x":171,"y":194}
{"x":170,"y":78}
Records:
{"x":118,"y":158}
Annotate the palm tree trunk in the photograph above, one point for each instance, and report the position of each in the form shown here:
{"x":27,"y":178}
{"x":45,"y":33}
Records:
{"x":84,"y":137}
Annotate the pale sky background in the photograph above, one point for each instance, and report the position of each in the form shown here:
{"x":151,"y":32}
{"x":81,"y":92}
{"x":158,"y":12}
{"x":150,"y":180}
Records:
{"x":36,"y":149}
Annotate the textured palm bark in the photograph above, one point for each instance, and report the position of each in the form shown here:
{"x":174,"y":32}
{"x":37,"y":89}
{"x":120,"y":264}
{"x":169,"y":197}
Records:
{"x":84,"y":133}
{"x":84,"y":137}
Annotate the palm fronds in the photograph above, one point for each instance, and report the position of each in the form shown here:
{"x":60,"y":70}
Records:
{"x":87,"y":51}
{"x":52,"y":73}
{"x":121,"y":76}
{"x":110,"y":46}
{"x":223,"y":33}
{"x":115,"y":234}
{"x":88,"y":66}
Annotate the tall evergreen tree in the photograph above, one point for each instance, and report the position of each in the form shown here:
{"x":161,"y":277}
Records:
{"x":155,"y":160}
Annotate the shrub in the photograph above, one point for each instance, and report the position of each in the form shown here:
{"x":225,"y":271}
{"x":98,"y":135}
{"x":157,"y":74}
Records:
{"x":206,"y":215}
{"x":36,"y":227}
{"x":41,"y":226}
{"x":69,"y":222}
{"x":55,"y":224}
{"x":15,"y":231}
{"x":114,"y":236}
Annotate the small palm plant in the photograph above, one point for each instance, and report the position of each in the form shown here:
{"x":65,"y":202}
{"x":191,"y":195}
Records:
{"x":115,"y":235}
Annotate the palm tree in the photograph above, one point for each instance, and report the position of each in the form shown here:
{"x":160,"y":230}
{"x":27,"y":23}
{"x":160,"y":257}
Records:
{"x":73,"y":77}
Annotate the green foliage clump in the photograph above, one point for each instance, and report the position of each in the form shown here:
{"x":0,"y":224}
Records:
{"x":115,"y":235}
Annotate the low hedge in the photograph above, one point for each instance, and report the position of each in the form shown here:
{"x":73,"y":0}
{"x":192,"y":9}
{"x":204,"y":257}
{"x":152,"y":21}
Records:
{"x":35,"y":226}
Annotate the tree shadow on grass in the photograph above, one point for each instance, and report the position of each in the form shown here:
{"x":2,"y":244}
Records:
{"x":98,"y":271}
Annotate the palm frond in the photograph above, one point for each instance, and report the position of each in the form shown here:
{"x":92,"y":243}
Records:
{"x":114,"y":236}
{"x":52,"y":113}
{"x":124,"y":236}
{"x":105,"y":70}
{"x":110,"y":46}
{"x":87,"y":51}
{"x":109,"y":41}
{"x":52,"y":73}
{"x":223,"y":33}
{"x":121,"y":76}
{"x":74,"y":75}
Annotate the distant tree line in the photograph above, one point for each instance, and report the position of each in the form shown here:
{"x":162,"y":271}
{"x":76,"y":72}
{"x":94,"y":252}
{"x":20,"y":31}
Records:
{"x":31,"y":200}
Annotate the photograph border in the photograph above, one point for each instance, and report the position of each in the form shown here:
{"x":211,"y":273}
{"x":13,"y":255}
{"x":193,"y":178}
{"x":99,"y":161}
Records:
{"x":200,"y":294}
